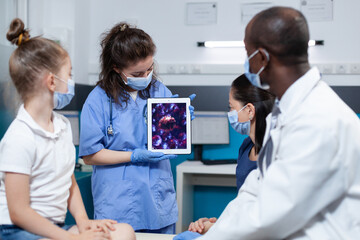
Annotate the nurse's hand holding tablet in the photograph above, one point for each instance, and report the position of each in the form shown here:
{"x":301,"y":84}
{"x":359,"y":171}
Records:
{"x":142,"y":155}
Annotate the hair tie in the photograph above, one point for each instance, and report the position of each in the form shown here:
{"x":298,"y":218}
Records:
{"x":20,"y":39}
{"x":123,"y":27}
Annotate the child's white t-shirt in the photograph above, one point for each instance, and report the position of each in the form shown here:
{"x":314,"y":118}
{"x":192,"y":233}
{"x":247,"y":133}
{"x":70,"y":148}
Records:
{"x":48,"y":158}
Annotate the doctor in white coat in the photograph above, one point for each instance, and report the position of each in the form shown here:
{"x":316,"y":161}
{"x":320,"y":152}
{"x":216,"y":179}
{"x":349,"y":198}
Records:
{"x":307,"y":185}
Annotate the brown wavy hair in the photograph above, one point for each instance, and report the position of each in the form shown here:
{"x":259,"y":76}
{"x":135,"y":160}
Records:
{"x":122,"y":46}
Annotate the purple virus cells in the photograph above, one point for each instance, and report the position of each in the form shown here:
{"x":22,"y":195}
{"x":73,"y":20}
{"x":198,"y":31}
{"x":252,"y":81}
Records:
{"x":156,"y":140}
{"x":169,"y":125}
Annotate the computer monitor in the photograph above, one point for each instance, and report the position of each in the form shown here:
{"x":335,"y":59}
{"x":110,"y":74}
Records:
{"x":209,"y":127}
{"x":73,"y":117}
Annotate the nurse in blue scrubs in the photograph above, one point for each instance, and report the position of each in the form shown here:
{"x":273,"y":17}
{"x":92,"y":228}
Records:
{"x":129,"y":183}
{"x":249,"y":106}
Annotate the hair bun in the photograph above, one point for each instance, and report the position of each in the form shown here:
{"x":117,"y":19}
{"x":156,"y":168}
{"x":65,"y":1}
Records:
{"x":17,"y":33}
{"x":124,"y":26}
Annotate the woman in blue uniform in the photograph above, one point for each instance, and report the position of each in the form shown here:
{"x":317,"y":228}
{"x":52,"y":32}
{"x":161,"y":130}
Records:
{"x":129,"y":183}
{"x":249,"y":106}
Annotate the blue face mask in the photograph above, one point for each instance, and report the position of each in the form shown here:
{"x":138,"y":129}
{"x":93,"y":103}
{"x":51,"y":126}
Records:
{"x":138,"y":83}
{"x":63,"y":99}
{"x":254,"y":78}
{"x":240,"y":127}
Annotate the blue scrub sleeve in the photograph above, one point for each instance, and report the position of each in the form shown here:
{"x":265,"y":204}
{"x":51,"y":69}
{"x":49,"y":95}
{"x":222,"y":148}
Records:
{"x":167,"y":92}
{"x":91,"y":130}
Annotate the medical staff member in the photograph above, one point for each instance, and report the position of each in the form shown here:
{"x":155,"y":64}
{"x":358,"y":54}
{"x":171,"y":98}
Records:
{"x":249,"y":106}
{"x":37,"y":156}
{"x":307,"y":185}
{"x":129,"y":183}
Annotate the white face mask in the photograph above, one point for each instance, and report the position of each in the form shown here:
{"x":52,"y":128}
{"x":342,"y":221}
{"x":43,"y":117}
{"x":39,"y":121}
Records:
{"x":63,"y":99}
{"x":254,"y":78}
{"x":240,"y":127}
{"x":139,"y":83}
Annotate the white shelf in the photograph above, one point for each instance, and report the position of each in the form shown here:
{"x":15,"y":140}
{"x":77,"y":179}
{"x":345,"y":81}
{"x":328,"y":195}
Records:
{"x":198,"y":167}
{"x":190,"y":173}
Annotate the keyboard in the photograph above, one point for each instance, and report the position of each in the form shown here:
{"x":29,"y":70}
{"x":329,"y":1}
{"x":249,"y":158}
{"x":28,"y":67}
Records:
{"x":218,"y":161}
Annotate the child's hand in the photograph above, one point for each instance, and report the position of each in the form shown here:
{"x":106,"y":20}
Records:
{"x":202,"y":225}
{"x":208,"y":225}
{"x":99,"y":225}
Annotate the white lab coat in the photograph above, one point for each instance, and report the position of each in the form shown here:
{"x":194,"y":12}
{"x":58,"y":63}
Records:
{"x":311,"y":190}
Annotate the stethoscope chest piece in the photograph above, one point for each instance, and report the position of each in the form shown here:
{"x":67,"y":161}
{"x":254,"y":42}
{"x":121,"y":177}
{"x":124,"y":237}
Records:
{"x":110,"y":130}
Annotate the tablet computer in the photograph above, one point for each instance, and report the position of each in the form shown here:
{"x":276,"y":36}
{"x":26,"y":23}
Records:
{"x":169,"y":125}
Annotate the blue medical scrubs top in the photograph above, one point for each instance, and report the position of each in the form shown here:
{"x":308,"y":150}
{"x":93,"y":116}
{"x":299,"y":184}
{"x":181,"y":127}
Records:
{"x":142,"y":194}
{"x":244,"y":164}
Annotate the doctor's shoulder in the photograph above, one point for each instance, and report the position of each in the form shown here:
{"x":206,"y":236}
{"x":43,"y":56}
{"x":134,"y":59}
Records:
{"x":96,"y":98}
{"x":159,"y":89}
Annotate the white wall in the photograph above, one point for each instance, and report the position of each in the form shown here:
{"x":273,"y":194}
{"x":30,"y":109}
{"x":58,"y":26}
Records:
{"x":164,"y":20}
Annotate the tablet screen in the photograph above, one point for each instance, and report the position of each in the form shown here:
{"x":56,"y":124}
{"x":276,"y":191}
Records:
{"x":169,"y":126}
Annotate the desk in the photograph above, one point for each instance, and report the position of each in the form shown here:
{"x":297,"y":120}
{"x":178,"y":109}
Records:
{"x":190,"y":173}
{"x":153,"y":236}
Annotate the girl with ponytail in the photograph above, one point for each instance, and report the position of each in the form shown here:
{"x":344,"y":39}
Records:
{"x":37,"y":156}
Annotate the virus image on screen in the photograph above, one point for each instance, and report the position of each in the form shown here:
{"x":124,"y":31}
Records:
{"x":169,"y":126}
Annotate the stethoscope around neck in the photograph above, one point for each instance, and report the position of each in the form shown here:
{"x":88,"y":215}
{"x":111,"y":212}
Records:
{"x":110,"y":129}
